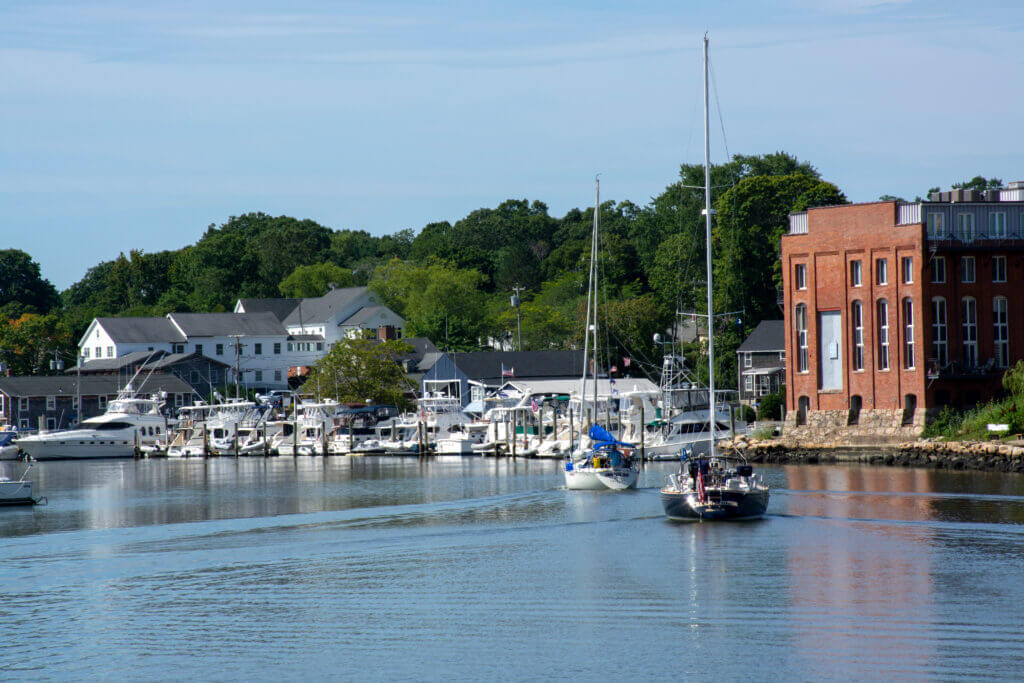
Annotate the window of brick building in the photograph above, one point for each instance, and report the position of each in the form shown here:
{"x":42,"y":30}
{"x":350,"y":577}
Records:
{"x":967,"y":269}
{"x":907,"y":265}
{"x":883,"y":334}
{"x":936,"y":225}
{"x":969,"y":330}
{"x":801,"y":338}
{"x":908,"y":334}
{"x":997,"y":224}
{"x":939,"y":340}
{"x":881,"y":272}
{"x":800,"y":276}
{"x":857,"y":324}
{"x":965,"y":225}
{"x":1001,"y":332}
{"x":855,"y":276}
{"x":998,"y":269}
{"x":938,"y":269}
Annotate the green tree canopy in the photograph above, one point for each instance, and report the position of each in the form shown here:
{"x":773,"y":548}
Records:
{"x":358,"y":370}
{"x":22,"y":287}
{"x":314,"y":280}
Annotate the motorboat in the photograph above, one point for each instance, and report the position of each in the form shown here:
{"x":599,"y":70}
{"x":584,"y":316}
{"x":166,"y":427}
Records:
{"x":129,"y":423}
{"x":722,"y":487}
{"x":357,"y":428}
{"x":608,"y":465}
{"x":314,"y":421}
{"x":8,"y":447}
{"x":16,"y":491}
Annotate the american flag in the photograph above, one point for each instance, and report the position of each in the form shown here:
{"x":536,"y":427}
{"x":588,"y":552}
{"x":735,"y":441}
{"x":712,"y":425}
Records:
{"x":701,"y":493}
{"x":533,"y":405}
{"x":507,"y":372}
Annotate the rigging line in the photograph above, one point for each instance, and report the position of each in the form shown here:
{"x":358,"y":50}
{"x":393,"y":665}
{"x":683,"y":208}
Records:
{"x":718,"y":107}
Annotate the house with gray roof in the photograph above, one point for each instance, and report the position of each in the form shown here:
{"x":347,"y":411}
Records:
{"x":473,"y":374}
{"x":761,"y":361}
{"x":201,"y":373}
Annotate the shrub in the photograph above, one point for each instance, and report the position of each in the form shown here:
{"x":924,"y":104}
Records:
{"x":770,"y":407}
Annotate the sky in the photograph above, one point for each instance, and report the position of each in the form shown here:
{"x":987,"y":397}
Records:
{"x":137,"y":125}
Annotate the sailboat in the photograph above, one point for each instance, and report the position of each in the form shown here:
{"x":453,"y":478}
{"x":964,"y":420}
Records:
{"x":718,"y":486}
{"x":608,"y":463}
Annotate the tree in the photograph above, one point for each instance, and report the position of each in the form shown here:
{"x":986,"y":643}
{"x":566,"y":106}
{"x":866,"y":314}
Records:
{"x":438,"y":301}
{"x":28,"y":342}
{"x":360,"y":370}
{"x":979,"y":183}
{"x":314,"y":280}
{"x":22,"y":287}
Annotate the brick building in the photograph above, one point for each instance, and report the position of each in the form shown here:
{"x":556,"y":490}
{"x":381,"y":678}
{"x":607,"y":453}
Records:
{"x":896,"y":309}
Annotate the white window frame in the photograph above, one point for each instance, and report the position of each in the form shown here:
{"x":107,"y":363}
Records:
{"x":882,"y":309}
{"x":258,"y":375}
{"x":51,"y":403}
{"x":881,"y":271}
{"x":277,"y":375}
{"x":747,"y":360}
{"x":110,"y":352}
{"x":940,"y":339}
{"x":908,"y":333}
{"x":997,"y":225}
{"x":857,"y":325}
{"x":51,"y":424}
{"x":907,"y":266}
{"x":85,"y":352}
{"x":1001,"y":331}
{"x":23,"y":403}
{"x":968,"y":273}
{"x":969,"y":330}
{"x":23,"y":423}
{"x":800,"y":276}
{"x":856,"y":275}
{"x":965,"y":227}
{"x":938,"y":270}
{"x":179,"y":400}
{"x":998,"y":269}
{"x":748,"y":384}
{"x":936,"y":225}
{"x":800,"y":323}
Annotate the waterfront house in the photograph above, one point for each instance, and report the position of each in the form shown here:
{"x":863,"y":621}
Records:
{"x":50,"y":401}
{"x":200,"y":372}
{"x":761,"y":361}
{"x":472,"y":375}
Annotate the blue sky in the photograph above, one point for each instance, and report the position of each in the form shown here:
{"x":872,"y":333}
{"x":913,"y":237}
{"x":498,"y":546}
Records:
{"x":136,"y":125}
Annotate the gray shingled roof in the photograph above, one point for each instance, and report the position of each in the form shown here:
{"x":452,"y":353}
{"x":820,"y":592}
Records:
{"x":140,"y":330}
{"x":769,"y":335}
{"x":318,"y":310}
{"x":279,"y":307}
{"x":92,"y":385}
{"x":113,"y":364}
{"x":367,"y":313}
{"x":224,"y":324}
{"x":485,"y":366}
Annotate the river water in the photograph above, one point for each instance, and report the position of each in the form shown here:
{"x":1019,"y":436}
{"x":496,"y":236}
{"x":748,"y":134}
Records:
{"x":387,"y":568}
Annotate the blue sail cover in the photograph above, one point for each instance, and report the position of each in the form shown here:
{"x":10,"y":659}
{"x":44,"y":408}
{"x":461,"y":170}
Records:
{"x":603,"y":438}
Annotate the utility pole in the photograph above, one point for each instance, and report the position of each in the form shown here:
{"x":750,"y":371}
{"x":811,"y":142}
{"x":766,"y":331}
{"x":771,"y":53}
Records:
{"x":238,"y":353}
{"x":517,"y":304}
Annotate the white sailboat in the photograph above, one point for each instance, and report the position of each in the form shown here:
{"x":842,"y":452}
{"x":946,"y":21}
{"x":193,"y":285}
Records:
{"x":717,"y":486}
{"x":607,"y":465}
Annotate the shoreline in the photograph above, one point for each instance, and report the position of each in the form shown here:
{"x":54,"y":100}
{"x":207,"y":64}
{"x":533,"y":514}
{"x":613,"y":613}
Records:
{"x":981,"y":456}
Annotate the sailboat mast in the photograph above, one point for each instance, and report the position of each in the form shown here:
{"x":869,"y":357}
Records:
{"x":593,"y":280}
{"x":707,"y":225}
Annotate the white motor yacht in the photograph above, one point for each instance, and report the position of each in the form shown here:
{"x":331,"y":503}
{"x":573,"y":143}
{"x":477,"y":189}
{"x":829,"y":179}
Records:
{"x":129,"y":422}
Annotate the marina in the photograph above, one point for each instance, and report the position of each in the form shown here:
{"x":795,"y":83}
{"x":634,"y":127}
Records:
{"x":384,"y":568}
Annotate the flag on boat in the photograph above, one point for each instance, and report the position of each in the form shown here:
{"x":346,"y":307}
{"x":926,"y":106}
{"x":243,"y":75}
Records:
{"x":533,"y":405}
{"x":507,"y":372}
{"x":701,"y":493}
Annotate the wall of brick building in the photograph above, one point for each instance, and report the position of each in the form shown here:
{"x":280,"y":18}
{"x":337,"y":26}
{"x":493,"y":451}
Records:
{"x":835,"y":237}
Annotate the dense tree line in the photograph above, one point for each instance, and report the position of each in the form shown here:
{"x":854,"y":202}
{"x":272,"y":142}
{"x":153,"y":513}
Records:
{"x":452,"y":281}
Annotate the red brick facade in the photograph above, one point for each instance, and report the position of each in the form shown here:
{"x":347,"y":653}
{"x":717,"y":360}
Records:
{"x":916,"y":377}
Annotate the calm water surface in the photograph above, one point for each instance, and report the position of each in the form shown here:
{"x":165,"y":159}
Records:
{"x":384,"y":568}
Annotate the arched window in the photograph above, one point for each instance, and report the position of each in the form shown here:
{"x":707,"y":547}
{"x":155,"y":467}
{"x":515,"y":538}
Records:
{"x":939,"y":334}
{"x":908,"y":333}
{"x":801,"y":338}
{"x":857,"y":325}
{"x":883,"y":334}
{"x":969,"y":330}
{"x":1001,"y":331}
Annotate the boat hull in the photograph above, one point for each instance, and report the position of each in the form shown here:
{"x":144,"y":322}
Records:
{"x":77,"y":449}
{"x":9,"y":453}
{"x":601,"y":478}
{"x":721,"y":505}
{"x":16,"y":493}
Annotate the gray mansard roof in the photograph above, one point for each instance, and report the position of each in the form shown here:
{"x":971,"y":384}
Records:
{"x":263,"y":324}
{"x":140,"y":330}
{"x":768,"y":336}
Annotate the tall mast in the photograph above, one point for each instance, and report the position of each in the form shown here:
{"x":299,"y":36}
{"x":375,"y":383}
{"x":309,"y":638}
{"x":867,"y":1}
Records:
{"x":593,"y":279}
{"x":707,"y":224}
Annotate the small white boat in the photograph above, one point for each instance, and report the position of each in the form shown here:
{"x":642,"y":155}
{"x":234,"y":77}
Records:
{"x":16,"y":492}
{"x":605,"y":467}
{"x":8,"y":449}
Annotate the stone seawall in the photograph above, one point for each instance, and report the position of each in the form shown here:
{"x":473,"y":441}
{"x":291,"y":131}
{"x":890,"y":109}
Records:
{"x":953,"y":455}
{"x":867,"y":428}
